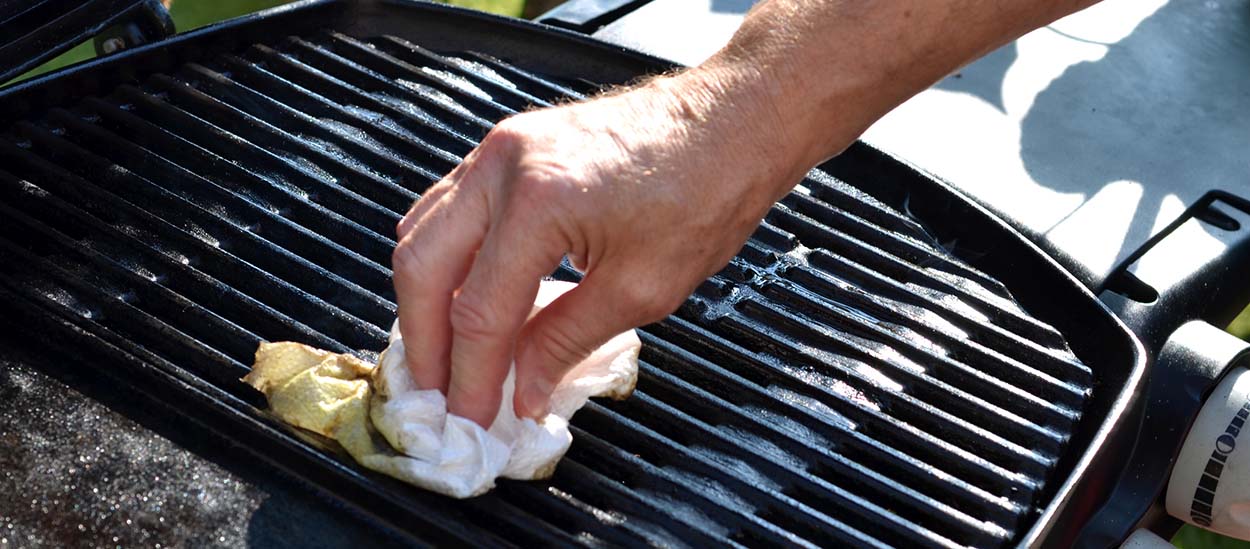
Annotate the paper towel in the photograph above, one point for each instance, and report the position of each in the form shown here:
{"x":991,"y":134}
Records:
{"x":387,"y":424}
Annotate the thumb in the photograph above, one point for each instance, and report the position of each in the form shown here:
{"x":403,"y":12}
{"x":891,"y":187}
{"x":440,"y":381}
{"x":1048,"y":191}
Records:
{"x":567,"y":331}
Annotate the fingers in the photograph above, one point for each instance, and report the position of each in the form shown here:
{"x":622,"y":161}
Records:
{"x":418,"y":209}
{"x":429,"y":263}
{"x":493,"y":304}
{"x":427,"y":201}
{"x":436,"y":192}
{"x":569,"y":329}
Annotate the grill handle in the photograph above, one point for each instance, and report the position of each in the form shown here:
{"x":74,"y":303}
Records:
{"x":1194,"y":269}
{"x":147,"y":22}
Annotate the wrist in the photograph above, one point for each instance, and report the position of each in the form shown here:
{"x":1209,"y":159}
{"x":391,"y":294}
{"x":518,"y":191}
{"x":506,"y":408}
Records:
{"x":804,"y":114}
{"x":738,"y":110}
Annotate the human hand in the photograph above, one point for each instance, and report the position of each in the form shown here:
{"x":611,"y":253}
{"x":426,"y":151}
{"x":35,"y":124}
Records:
{"x":648,"y":192}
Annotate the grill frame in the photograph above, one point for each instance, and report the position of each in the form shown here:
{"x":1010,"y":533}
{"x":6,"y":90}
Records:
{"x":1095,"y":334}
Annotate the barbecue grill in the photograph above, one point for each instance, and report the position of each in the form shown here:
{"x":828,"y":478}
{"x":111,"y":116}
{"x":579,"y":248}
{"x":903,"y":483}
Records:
{"x":885,"y":363}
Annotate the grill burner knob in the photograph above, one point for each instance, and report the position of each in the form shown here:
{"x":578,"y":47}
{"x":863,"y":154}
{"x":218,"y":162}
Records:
{"x":1210,"y":484}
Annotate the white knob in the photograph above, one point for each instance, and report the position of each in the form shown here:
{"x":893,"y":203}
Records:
{"x":1210,"y":484}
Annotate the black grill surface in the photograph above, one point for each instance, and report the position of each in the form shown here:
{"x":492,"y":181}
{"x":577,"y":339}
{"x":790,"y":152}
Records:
{"x":844,"y":381}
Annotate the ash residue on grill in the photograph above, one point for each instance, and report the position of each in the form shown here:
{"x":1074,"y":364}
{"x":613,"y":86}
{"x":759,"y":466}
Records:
{"x":843,"y":381}
{"x":89,"y":476}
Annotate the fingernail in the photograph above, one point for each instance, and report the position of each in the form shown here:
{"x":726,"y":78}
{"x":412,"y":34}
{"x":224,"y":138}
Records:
{"x":535,"y":397}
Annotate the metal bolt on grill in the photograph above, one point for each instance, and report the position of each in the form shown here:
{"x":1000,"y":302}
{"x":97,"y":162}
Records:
{"x":843,"y":381}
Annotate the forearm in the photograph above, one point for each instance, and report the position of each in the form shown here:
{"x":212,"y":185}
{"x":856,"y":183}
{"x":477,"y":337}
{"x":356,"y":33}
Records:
{"x":809,"y":76}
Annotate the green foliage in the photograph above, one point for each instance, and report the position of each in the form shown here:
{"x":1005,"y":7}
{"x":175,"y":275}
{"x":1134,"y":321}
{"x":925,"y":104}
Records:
{"x":1241,"y":325}
{"x":191,"y":14}
{"x":502,"y":7}
{"x":1197,"y":538}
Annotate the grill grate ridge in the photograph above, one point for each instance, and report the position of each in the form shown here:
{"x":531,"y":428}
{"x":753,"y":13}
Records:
{"x":784,"y":446}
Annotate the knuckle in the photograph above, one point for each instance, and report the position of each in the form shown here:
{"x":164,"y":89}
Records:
{"x":509,"y":132}
{"x":639,"y":298}
{"x":559,"y":347}
{"x":469,"y":397}
{"x":543,"y":174}
{"x":650,"y":304}
{"x":548,"y":183}
{"x":404,"y":225}
{"x":472,"y":320}
{"x":467,"y":390}
{"x":656,"y":310}
{"x":632,"y":296}
{"x":541,"y":183}
{"x":671,"y":302}
{"x":406,"y":258}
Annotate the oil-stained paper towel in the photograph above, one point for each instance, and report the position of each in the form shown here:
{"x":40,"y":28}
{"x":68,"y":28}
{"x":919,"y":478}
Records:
{"x":380,"y":417}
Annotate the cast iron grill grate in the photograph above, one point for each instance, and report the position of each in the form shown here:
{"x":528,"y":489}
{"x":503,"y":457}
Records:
{"x":843,"y":380}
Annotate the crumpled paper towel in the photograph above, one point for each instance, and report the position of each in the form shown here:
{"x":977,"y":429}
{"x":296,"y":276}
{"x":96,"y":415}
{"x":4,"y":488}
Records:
{"x":387,"y":424}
